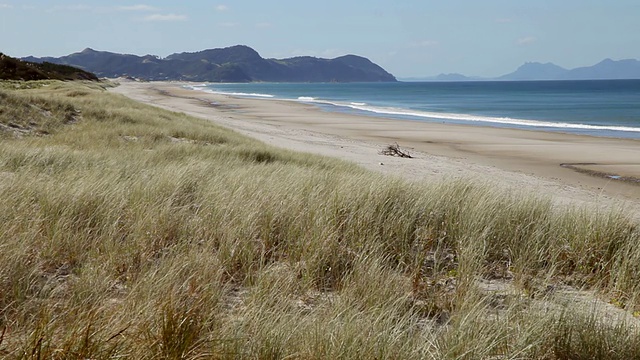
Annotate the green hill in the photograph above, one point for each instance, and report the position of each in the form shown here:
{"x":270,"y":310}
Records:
{"x":15,"y":69}
{"x":232,"y":64}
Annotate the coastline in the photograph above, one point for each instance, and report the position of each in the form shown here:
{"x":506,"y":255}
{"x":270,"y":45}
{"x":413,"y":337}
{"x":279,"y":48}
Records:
{"x":518,"y":159}
{"x":599,"y":108}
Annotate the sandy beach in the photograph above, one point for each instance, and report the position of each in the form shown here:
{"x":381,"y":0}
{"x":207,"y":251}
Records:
{"x":571,"y":168}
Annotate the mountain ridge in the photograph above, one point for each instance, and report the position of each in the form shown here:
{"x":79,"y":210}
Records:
{"x":238,"y":63}
{"x":535,"y":71}
{"x":607,"y":69}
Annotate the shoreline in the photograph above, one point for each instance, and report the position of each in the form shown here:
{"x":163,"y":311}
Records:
{"x":448,"y":113}
{"x":519,"y":159}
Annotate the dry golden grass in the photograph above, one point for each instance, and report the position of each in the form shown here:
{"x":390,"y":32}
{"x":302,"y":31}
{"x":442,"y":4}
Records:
{"x":132,"y":232}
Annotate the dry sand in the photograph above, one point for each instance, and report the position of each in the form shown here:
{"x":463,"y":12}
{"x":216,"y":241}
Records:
{"x":515,"y":159}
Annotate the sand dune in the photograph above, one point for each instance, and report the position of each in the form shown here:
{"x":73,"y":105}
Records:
{"x":601,"y":171}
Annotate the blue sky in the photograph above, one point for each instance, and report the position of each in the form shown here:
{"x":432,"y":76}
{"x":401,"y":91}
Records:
{"x":406,"y":37}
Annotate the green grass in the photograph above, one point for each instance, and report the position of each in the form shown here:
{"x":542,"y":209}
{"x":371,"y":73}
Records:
{"x":134,"y":232}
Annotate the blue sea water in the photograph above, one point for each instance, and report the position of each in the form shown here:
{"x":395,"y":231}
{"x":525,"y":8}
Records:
{"x":608,"y":108}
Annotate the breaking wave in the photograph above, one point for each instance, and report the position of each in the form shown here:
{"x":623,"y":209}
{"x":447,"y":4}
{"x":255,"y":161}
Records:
{"x":409,"y":113}
{"x":418,"y":114}
{"x":205,"y":88}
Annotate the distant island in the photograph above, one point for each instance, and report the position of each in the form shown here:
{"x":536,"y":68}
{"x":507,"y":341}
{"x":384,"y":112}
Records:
{"x":532,"y":71}
{"x":605,"y":70}
{"x":232,"y":64}
{"x":16,"y":69}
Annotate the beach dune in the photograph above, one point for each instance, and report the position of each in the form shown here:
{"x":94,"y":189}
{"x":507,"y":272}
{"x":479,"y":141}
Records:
{"x":573,"y":168}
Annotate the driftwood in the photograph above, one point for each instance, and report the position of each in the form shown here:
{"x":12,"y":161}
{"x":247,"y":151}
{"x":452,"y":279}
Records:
{"x":395,"y":150}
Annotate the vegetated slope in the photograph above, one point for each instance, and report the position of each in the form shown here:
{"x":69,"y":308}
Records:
{"x":141,"y":233}
{"x":15,"y":69}
{"x":233,"y":64}
{"x":25,"y":116}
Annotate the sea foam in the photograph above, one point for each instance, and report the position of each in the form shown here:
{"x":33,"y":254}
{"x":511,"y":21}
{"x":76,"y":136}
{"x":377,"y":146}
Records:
{"x":204,"y":88}
{"x":408,"y":113}
{"x":417,"y":114}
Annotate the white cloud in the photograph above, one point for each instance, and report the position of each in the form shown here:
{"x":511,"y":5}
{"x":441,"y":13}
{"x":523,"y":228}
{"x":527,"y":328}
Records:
{"x":228,"y":24}
{"x":222,"y":7}
{"x":526,"y":40}
{"x":424,"y":43}
{"x":165,"y":17}
{"x":264,"y":25}
{"x":99,"y":9}
{"x":6,"y":6}
{"x":139,"y":7}
{"x":78,"y":7}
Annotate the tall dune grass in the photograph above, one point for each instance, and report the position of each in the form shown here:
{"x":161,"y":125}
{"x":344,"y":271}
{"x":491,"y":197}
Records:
{"x":140,"y":233}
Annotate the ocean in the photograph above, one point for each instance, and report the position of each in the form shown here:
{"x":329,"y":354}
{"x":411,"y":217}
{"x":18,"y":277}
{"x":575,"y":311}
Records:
{"x":609,"y":108}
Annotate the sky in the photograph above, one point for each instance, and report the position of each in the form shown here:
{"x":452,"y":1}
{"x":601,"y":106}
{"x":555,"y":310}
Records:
{"x":409,"y":38}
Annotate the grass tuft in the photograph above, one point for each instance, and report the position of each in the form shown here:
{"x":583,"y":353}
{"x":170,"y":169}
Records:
{"x":129,"y":231}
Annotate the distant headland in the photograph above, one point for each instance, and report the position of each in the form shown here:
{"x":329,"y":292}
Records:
{"x":534,"y":71}
{"x":232,"y":64}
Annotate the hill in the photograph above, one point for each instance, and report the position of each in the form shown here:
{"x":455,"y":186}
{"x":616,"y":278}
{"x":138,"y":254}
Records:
{"x":606,"y":69}
{"x":535,"y":71}
{"x":232,"y":64}
{"x":15,"y":69}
